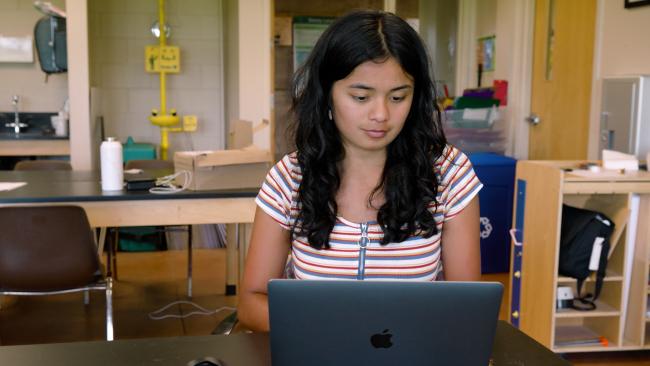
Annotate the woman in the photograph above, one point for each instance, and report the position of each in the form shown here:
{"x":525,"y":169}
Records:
{"x":372,"y":168}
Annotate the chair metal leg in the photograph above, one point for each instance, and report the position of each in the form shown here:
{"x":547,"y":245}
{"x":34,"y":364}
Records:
{"x":86,"y":297}
{"x":101,"y":241}
{"x":109,"y":254}
{"x":109,"y":309}
{"x":189,"y":260}
{"x":226,"y":326}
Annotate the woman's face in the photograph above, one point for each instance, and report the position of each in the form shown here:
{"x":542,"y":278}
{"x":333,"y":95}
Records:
{"x":371,"y":104}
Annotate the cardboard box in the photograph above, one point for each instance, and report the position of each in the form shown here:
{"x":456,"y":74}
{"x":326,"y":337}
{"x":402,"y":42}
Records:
{"x":240,"y":134}
{"x":224,"y":169}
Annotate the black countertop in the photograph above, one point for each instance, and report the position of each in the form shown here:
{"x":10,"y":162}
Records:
{"x":511,"y":348}
{"x":70,"y":186}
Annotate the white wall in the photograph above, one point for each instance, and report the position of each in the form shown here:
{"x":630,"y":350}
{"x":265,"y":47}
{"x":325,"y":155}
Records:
{"x":438,"y":28}
{"x":255,"y":48}
{"x":119,"y":32}
{"x":17,"y":19}
{"x":486,"y":25}
{"x":513,"y":50}
{"x":231,"y":60}
{"x":83,"y":148}
{"x":622,"y":48}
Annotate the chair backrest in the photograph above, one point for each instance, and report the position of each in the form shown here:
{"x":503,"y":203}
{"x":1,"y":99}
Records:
{"x":43,"y":165}
{"x":46,"y":248}
{"x":149,"y":164}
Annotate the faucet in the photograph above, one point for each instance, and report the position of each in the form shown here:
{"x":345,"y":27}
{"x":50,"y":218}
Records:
{"x":16,"y":124}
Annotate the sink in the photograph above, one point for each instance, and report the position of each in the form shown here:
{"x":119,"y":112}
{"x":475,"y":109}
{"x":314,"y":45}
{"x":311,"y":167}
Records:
{"x":39,"y":127}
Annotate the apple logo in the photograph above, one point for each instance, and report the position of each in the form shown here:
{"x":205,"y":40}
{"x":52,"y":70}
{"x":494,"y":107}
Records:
{"x":381,"y":340}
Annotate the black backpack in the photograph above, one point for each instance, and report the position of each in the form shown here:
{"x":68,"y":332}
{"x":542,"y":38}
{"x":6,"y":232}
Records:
{"x":580,"y":228}
{"x":51,"y":44}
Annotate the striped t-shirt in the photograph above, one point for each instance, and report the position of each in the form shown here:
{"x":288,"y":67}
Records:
{"x":415,"y":259}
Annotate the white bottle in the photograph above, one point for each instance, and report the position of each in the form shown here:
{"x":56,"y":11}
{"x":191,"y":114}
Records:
{"x":111,"y":161}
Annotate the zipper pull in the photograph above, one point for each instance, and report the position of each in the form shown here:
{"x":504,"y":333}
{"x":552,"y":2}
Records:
{"x":363,"y":243}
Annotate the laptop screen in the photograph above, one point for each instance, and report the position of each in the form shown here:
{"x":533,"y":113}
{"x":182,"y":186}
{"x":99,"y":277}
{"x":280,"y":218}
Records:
{"x":379,"y":323}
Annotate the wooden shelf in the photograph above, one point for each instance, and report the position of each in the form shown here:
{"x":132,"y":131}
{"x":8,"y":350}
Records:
{"x":610,"y":276}
{"x":583,"y":348}
{"x":566,"y":333}
{"x":602,"y":310}
{"x":542,"y":188}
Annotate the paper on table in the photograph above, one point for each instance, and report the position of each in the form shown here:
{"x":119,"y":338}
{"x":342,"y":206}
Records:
{"x":9,"y":186}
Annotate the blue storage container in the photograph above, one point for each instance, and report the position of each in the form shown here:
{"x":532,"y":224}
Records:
{"x":132,"y":150}
{"x":497,"y":173}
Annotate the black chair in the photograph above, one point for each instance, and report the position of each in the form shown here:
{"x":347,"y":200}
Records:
{"x":43,"y":165}
{"x":48,"y":250}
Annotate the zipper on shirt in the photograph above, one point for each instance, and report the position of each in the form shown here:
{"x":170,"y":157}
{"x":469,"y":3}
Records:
{"x":363,"y":243}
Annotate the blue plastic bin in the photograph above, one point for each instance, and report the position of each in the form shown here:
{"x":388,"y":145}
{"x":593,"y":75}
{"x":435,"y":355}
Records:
{"x":497,"y":173}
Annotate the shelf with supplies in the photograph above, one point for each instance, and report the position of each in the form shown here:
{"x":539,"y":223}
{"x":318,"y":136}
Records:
{"x":619,"y":321}
{"x":592,"y":334}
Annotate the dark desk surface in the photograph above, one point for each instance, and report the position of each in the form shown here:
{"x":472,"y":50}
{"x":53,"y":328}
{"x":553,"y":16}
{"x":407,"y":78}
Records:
{"x":72,"y":186}
{"x":511,"y":348}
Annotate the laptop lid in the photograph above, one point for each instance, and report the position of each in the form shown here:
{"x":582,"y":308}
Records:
{"x":379,"y":323}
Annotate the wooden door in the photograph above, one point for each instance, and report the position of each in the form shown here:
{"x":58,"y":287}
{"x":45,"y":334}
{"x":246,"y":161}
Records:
{"x":563,"y":48}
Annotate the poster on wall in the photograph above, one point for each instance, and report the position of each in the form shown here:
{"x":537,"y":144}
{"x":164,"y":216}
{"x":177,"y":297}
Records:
{"x":306,"y":31}
{"x":486,"y":52}
{"x":16,"y":49}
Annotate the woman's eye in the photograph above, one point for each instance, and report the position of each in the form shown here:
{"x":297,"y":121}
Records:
{"x":397,"y":98}
{"x":360,"y":98}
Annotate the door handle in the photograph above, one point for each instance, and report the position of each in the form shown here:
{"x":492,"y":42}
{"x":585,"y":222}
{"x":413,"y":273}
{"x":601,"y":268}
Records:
{"x":533,"y":119}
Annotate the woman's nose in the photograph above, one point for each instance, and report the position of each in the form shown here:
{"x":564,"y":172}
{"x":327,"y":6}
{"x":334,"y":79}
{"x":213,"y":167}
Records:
{"x":379,"y":111}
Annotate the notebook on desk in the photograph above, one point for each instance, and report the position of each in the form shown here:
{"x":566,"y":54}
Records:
{"x":378,"y":323}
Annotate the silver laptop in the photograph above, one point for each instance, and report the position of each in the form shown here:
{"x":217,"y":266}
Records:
{"x":326,"y":323}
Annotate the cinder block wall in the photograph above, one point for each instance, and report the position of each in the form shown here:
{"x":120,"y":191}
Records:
{"x":119,"y":32}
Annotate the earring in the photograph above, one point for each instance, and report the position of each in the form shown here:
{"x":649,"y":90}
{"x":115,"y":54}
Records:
{"x":329,"y":114}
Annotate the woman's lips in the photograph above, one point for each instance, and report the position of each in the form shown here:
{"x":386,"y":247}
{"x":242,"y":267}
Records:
{"x":376,"y":134}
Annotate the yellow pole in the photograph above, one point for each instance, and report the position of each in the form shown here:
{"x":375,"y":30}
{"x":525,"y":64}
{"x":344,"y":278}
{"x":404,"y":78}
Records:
{"x":163,"y":42}
{"x":164,"y":142}
{"x":164,"y":138}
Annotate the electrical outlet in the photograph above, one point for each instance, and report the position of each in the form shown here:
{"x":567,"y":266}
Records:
{"x":189,"y":123}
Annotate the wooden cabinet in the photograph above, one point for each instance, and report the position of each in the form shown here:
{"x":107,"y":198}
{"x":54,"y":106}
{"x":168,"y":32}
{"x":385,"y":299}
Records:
{"x":620,"y":318}
{"x":55,"y":147}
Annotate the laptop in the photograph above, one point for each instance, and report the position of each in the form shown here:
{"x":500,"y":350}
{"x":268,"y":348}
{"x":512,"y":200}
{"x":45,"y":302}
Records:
{"x":326,"y":323}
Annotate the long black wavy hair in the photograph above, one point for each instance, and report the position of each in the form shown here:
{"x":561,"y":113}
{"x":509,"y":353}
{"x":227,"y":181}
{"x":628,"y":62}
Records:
{"x":408,"y":181}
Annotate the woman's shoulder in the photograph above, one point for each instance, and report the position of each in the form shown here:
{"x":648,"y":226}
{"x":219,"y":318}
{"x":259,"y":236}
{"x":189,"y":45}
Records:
{"x":449,"y":161}
{"x":288,"y":166}
{"x":290,"y":162}
{"x":450,"y":155}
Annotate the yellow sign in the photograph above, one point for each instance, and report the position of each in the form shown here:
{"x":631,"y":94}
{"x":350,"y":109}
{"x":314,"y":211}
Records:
{"x":167,"y":59}
{"x":189,"y":123}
